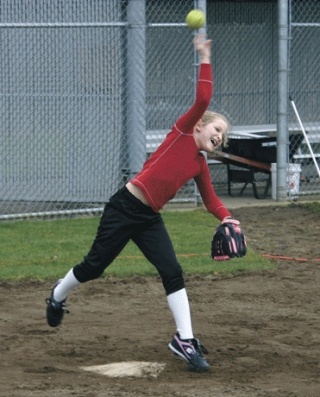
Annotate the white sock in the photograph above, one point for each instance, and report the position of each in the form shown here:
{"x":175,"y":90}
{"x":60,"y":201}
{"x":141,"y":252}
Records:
{"x":65,"y":286}
{"x":179,"y":306}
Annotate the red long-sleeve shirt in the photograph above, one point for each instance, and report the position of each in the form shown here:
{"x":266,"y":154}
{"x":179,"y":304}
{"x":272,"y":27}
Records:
{"x":178,"y":159}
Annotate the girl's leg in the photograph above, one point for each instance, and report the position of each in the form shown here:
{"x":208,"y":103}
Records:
{"x":156,"y":245}
{"x":112,"y":236}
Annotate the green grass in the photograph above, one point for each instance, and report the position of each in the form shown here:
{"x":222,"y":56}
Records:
{"x":47,"y":249}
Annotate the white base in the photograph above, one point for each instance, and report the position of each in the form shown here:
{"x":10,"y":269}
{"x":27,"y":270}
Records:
{"x":138,"y":369}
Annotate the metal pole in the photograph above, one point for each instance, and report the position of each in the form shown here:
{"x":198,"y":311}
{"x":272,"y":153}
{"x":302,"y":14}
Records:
{"x":283,"y":99}
{"x":136,"y":112}
{"x":202,"y":5}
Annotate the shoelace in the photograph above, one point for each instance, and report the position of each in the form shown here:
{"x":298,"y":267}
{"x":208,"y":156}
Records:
{"x":200,"y":348}
{"x":63,"y":305}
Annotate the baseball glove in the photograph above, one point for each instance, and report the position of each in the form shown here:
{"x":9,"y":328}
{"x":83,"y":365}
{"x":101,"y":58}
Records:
{"x":228,"y":241}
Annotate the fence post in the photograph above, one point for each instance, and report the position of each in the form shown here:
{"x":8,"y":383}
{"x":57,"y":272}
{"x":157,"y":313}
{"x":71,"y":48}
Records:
{"x":283,"y":100}
{"x":136,"y":112}
{"x":202,"y":5}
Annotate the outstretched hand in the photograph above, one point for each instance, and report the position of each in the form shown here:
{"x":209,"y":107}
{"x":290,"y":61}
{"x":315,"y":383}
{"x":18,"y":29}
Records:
{"x":203,"y":46}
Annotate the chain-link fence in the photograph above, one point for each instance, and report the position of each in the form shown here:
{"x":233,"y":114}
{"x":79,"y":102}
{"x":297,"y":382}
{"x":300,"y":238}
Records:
{"x":88,"y":88}
{"x":62,"y":84}
{"x":305,"y":90}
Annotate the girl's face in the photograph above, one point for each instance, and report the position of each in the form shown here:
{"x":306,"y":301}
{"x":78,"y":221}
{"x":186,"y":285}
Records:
{"x":209,"y":137}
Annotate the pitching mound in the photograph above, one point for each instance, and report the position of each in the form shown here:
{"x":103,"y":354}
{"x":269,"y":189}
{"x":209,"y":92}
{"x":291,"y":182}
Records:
{"x":138,"y":369}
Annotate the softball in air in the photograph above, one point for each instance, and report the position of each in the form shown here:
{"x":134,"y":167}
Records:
{"x":195,"y":19}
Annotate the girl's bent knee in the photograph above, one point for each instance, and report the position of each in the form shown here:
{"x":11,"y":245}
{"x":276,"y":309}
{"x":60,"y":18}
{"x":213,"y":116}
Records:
{"x":173,"y":284}
{"x":86,"y":272}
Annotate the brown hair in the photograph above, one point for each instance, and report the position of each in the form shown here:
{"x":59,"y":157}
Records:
{"x":210,"y":116}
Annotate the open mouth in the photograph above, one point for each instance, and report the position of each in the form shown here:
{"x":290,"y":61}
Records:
{"x":214,"y":142}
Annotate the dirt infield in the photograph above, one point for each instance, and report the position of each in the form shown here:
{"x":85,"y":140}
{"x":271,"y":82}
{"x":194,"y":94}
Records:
{"x":262,"y":330}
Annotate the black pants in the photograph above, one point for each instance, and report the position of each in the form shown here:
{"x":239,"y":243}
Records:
{"x":127,"y":218}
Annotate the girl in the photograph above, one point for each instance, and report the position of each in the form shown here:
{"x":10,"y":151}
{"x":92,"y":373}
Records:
{"x":133,"y":212}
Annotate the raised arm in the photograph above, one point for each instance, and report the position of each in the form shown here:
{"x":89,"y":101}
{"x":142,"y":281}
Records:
{"x":203,"y":47}
{"x":204,"y":90}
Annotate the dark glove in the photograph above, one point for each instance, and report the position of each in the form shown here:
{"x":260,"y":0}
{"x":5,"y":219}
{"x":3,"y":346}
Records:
{"x":228,"y":241}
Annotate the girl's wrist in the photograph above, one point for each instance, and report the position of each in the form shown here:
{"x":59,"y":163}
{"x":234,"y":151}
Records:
{"x":205,"y":60}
